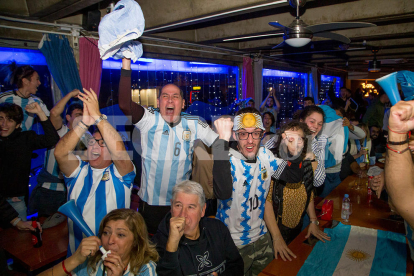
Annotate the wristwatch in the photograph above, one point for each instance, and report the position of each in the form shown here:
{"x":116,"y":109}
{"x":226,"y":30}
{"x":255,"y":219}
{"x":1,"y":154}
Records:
{"x":103,"y":117}
{"x":315,"y":222}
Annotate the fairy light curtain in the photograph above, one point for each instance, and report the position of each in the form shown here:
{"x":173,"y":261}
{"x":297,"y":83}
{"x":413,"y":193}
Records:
{"x":209,"y":89}
{"x":290,"y":89}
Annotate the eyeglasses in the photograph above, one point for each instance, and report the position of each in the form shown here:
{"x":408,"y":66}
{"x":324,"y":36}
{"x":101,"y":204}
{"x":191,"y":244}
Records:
{"x":101,"y":142}
{"x":257,"y":135}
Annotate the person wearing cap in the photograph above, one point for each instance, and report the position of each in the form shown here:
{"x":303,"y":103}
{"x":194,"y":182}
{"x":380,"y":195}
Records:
{"x":241,"y":181}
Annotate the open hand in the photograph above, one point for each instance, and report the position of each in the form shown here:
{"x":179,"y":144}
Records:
{"x":91,"y":110}
{"x":314,"y":230}
{"x":282,"y":249}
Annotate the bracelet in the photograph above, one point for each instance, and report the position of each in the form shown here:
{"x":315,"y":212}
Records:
{"x":408,"y":132}
{"x":16,"y":221}
{"x":398,"y":143}
{"x":64,"y":268}
{"x":397,"y":151}
{"x":82,"y":127}
{"x":313,"y":218}
{"x":84,"y":124}
{"x":313,"y":160}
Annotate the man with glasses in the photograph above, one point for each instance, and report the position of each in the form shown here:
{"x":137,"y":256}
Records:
{"x":241,"y":182}
{"x":104,"y":182}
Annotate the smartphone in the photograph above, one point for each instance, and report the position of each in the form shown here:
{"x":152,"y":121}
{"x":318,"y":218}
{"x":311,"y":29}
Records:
{"x":311,"y":240}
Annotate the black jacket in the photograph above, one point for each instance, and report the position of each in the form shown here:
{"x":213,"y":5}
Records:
{"x":214,"y":251}
{"x":16,"y":155}
{"x":7,"y":212}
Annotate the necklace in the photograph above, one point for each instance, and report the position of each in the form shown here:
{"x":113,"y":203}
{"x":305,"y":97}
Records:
{"x":20,"y":94}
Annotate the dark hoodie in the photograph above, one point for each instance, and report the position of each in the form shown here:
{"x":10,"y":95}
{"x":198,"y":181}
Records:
{"x":213,"y":251}
{"x":16,"y":155}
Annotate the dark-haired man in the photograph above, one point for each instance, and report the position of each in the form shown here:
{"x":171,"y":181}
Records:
{"x":375,"y":112}
{"x":50,"y":192}
{"x":16,"y":147}
{"x":242,"y":178}
{"x":167,"y":142}
{"x":307,"y":101}
{"x":103,"y":183}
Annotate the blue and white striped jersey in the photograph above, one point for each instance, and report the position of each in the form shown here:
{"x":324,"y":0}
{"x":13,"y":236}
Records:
{"x":96,"y":192}
{"x":51,"y":166}
{"x":167,"y":153}
{"x":12,"y":97}
{"x":243,"y":213}
{"x":148,"y":269}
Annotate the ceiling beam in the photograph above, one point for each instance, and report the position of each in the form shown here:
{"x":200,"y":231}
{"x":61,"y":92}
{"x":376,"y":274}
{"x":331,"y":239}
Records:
{"x":51,"y":10}
{"x":184,"y":12}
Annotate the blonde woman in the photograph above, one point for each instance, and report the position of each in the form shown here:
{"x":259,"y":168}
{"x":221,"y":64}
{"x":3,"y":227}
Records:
{"x":123,"y":232}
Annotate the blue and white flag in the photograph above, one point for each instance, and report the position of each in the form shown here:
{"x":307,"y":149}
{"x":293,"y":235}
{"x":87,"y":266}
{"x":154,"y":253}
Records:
{"x":355,"y":250}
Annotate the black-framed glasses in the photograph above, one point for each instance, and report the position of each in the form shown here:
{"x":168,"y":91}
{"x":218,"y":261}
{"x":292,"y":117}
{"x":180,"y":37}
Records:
{"x":93,"y":141}
{"x":257,"y":135}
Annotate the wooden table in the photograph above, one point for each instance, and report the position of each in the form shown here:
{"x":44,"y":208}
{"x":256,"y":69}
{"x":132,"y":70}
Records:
{"x":374,"y":215}
{"x":18,"y":244}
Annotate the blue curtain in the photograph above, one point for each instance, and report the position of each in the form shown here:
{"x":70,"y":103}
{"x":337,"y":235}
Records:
{"x":61,"y":62}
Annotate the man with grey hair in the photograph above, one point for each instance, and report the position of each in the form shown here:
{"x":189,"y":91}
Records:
{"x":189,"y":243}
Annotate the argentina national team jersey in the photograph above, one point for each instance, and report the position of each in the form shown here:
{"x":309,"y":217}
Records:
{"x":11,"y":97}
{"x":243,"y":213}
{"x":167,"y":153}
{"x":96,"y":192}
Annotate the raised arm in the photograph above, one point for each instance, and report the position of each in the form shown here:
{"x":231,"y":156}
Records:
{"x":56,"y":112}
{"x":128,"y":107}
{"x":222,"y":179}
{"x":277,"y":103}
{"x":263,"y":104}
{"x":399,"y":167}
{"x":318,"y":149}
{"x":50,"y":136}
{"x":64,"y":149}
{"x":112,"y":139}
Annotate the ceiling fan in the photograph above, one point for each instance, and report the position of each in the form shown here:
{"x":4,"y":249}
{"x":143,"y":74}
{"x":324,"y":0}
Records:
{"x":298,"y":34}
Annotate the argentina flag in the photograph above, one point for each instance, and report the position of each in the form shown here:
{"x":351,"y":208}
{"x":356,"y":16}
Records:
{"x":355,"y":250}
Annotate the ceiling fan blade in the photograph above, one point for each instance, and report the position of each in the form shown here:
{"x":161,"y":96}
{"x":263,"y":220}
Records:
{"x":277,"y":25}
{"x":337,"y":26}
{"x":333,"y":36}
{"x":280,"y":45}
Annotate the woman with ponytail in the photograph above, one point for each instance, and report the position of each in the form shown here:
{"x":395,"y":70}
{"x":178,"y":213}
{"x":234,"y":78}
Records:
{"x":292,"y":191}
{"x":25,"y":81}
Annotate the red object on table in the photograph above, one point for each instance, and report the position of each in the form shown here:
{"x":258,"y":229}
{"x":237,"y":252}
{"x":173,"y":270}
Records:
{"x":374,"y":215}
{"x":18,"y":244}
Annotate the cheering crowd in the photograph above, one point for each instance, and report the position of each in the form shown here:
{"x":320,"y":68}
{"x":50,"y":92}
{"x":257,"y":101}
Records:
{"x":212,"y":202}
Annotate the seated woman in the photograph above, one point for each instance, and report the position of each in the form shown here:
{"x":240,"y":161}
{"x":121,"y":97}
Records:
{"x":123,"y":231}
{"x":293,"y":192}
{"x":357,"y":147}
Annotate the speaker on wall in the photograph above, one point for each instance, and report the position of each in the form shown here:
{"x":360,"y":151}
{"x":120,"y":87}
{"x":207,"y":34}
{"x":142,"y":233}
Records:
{"x":91,"y":19}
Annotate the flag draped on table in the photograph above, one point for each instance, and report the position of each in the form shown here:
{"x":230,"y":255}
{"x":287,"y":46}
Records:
{"x":355,"y":250}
